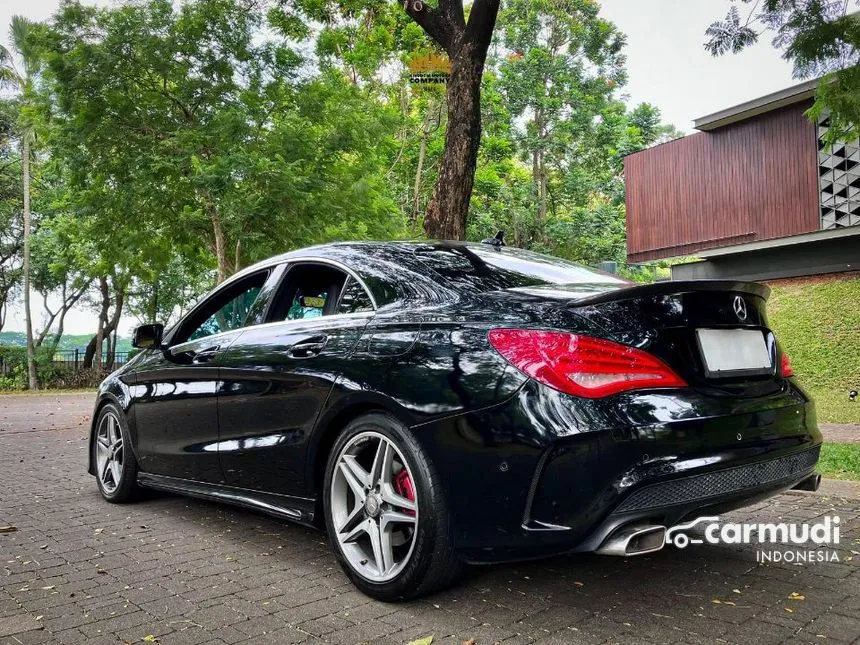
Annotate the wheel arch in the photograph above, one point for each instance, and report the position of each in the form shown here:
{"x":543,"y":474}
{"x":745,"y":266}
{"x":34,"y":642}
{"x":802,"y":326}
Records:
{"x":329,"y":427}
{"x":112,"y":394}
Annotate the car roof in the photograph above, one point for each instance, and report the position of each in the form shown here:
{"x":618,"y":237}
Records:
{"x":403,"y":272}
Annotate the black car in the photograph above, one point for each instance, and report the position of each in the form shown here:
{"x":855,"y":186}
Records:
{"x":434,"y":404}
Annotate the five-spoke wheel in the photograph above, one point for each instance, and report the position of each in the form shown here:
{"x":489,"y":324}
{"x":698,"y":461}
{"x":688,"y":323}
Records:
{"x":374,"y":507}
{"x":109,"y":452}
{"x":385,"y":512}
{"x":113,"y":461}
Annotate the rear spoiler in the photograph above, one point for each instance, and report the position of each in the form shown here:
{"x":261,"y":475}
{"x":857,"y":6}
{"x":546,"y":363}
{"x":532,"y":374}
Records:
{"x":670,"y":287}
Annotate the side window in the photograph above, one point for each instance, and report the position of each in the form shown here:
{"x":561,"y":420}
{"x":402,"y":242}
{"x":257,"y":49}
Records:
{"x":227,"y":310}
{"x":354,"y":298}
{"x":309,"y":290}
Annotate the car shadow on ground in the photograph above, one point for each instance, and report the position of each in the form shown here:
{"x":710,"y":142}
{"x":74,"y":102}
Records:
{"x":702,"y":589}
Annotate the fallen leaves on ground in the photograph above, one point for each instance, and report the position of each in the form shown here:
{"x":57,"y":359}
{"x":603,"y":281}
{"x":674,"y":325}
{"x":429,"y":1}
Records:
{"x":796,"y":596}
{"x":423,"y":641}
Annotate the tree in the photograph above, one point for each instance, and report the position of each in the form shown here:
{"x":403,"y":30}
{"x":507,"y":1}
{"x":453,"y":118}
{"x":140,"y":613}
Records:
{"x":652,"y":130}
{"x":820,"y":37}
{"x":11,"y":231}
{"x":466,"y":43}
{"x":20,"y":33}
{"x":57,"y":272}
{"x":564,"y":66}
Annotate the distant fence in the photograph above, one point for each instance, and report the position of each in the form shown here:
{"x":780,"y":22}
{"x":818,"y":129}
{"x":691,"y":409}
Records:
{"x":69,"y":359}
{"x":74,"y":358}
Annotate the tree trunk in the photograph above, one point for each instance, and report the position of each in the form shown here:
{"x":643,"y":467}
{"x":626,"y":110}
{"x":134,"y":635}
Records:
{"x":103,"y":319}
{"x":31,"y":350}
{"x":422,"y":150}
{"x":114,"y":323}
{"x":447,"y":210}
{"x":220,"y":242}
{"x":93,"y":353}
{"x":539,"y":176}
{"x":153,"y":303}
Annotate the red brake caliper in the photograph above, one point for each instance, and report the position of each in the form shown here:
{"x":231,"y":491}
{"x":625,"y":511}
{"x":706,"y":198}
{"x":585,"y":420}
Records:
{"x":404,"y":487}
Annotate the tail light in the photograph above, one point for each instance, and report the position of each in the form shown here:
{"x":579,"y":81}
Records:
{"x":582,"y":365}
{"x":785,"y":368}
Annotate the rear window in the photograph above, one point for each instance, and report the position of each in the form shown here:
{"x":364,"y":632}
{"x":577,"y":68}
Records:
{"x":490,"y":269}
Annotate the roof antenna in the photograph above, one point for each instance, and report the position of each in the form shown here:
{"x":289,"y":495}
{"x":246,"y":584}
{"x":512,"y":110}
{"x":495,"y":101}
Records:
{"x":497,"y":241}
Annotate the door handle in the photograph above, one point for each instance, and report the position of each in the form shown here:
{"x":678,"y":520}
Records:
{"x":205,"y":355}
{"x":308,"y":347}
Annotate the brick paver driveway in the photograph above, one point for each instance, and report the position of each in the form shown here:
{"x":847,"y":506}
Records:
{"x":178,"y":570}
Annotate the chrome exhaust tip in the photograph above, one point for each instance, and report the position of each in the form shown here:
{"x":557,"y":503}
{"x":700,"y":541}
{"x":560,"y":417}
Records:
{"x":635,"y":539}
{"x":810,"y":483}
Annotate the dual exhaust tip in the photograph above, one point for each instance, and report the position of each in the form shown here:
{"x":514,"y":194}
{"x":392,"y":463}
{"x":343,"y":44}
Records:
{"x":639,"y":539}
{"x":635,"y":539}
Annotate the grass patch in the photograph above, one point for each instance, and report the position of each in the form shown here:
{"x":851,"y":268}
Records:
{"x":818,"y":324}
{"x":840,"y":461}
{"x":50,"y":391}
{"x":833,"y":406}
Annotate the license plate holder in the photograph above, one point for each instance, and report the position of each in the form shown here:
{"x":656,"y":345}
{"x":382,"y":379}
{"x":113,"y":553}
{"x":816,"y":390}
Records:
{"x":729,"y":353}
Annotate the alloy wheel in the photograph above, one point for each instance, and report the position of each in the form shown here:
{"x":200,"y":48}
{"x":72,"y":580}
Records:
{"x":374,"y":507}
{"x":109,"y":453}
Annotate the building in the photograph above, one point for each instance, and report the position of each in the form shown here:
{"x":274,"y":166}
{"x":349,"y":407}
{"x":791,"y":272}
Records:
{"x":754,"y":194}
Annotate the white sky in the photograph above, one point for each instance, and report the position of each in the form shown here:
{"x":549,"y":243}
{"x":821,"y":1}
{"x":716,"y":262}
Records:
{"x":666,"y":62}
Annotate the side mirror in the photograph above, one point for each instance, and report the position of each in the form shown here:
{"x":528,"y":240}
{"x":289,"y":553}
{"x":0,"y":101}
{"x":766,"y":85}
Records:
{"x":147,"y":336}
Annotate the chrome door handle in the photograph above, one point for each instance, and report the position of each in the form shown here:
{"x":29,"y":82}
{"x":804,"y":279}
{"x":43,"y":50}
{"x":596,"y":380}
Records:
{"x":205,"y":355}
{"x":308,"y":347}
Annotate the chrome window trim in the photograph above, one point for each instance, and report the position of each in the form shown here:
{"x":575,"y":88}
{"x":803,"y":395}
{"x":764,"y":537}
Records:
{"x":300,"y":260}
{"x":276,"y":323}
{"x":203,"y":340}
{"x":316,"y":319}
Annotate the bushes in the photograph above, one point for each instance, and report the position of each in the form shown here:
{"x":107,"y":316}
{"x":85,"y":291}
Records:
{"x":51,"y":374}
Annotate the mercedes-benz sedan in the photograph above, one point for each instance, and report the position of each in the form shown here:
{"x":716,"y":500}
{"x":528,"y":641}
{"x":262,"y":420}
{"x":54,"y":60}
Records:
{"x":434,"y":404}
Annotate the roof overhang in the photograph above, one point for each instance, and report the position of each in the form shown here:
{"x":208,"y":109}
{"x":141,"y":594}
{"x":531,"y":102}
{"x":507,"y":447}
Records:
{"x":805,"y":238}
{"x":768,"y":103}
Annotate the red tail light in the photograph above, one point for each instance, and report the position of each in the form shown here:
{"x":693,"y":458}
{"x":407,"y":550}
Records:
{"x":582,"y":365}
{"x":786,"y":369}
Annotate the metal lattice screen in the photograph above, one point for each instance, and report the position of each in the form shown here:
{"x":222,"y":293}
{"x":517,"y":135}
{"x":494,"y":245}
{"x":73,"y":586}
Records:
{"x":838,"y":181}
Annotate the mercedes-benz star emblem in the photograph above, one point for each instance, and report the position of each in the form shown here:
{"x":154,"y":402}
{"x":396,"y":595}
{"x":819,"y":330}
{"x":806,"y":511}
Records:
{"x":740,"y":308}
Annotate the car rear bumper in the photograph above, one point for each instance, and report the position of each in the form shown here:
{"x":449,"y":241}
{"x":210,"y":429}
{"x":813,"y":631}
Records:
{"x":524,"y":485}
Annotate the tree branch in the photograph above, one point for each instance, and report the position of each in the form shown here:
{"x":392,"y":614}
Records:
{"x":453,"y":12}
{"x":433,"y":21}
{"x":482,"y":21}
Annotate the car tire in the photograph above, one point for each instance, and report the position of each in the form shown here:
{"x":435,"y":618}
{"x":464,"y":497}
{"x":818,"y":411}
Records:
{"x":430,"y":563}
{"x":113,"y":457}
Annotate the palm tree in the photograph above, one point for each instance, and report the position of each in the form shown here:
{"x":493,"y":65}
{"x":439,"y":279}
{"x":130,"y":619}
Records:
{"x":22,"y":80}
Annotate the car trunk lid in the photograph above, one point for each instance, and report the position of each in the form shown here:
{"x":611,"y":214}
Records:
{"x":700,"y":328}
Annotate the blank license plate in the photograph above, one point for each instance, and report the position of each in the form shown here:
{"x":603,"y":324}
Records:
{"x":729,"y":351}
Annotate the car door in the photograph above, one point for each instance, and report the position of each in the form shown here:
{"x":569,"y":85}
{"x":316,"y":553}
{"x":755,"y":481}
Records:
{"x":276,"y":377}
{"x":174,"y":396}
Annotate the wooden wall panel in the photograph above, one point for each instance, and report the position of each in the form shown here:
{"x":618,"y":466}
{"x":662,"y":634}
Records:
{"x":752,"y":180}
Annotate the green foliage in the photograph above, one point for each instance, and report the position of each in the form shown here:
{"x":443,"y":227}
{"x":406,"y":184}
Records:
{"x":818,"y":324}
{"x":820,"y":38}
{"x":178,"y":142}
{"x":67,"y":343}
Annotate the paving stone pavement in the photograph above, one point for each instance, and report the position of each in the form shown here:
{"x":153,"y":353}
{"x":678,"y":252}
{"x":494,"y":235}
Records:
{"x":841,"y":432}
{"x":180,"y":571}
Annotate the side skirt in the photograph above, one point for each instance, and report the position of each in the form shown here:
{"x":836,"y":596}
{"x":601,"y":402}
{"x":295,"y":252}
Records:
{"x":295,"y":509}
